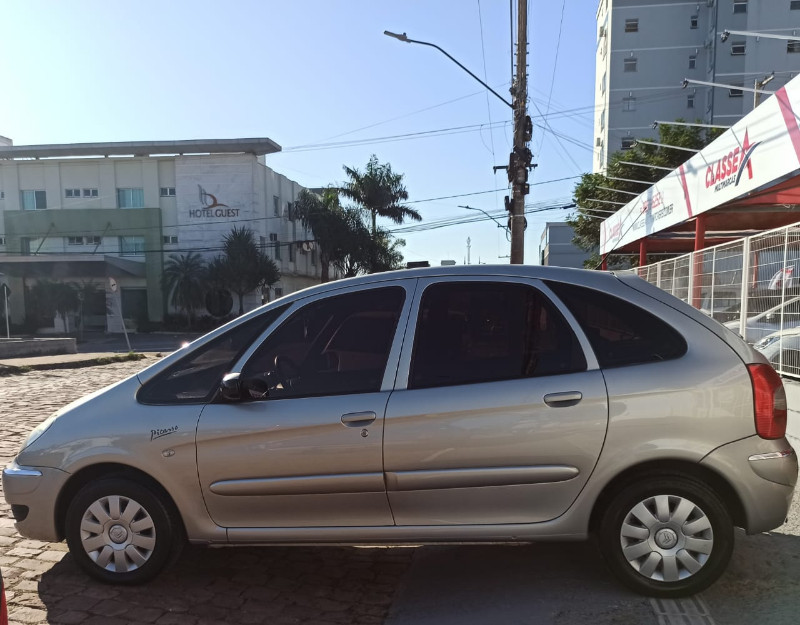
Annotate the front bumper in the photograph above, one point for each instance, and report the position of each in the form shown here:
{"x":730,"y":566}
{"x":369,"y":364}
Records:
{"x":763,"y":473}
{"x":32,"y":493}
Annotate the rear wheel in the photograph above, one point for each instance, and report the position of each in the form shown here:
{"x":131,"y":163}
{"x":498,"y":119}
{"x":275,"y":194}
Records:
{"x":667,"y":537}
{"x":119,"y":531}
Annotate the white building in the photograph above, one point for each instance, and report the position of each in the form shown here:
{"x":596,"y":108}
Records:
{"x":89,"y":212}
{"x":645,"y":49}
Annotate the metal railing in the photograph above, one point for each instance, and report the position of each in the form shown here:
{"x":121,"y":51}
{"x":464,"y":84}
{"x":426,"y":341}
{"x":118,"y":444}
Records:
{"x":751,"y":285}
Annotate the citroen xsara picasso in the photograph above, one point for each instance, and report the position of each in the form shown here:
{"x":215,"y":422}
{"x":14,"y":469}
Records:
{"x":498,"y":404}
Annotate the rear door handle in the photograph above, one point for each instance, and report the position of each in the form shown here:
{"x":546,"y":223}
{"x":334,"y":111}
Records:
{"x":563,"y":400}
{"x":358,"y":419}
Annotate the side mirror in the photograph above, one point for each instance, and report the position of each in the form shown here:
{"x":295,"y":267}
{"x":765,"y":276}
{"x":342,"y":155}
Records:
{"x":229,"y":388}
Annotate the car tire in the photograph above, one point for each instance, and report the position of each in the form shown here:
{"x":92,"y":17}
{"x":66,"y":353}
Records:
{"x":666,"y":536}
{"x":122,"y":532}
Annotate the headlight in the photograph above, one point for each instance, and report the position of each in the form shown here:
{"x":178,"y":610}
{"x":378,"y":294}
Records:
{"x":39,"y":430}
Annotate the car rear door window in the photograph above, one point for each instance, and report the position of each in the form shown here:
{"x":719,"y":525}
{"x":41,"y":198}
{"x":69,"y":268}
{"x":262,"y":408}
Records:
{"x":333,"y":346}
{"x":620,"y":333}
{"x":471,"y":332}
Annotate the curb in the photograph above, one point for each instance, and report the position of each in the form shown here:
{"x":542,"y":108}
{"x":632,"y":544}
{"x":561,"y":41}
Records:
{"x":7,"y":369}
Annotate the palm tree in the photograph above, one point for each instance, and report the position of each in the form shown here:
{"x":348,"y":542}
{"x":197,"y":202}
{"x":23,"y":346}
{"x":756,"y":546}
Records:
{"x":380,"y":192}
{"x":183,"y":279}
{"x":339,"y":231}
{"x":243,"y":267}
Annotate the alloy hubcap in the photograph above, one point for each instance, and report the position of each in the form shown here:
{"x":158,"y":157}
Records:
{"x":118,"y":534}
{"x":666,"y":538}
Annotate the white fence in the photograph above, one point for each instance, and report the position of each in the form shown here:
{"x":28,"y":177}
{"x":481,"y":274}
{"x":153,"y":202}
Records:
{"x":751,"y":285}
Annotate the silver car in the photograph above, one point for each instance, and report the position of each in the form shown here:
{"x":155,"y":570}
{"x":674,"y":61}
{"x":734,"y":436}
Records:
{"x":459,"y":404}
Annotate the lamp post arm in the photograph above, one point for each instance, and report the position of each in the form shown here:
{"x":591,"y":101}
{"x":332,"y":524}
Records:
{"x":403,"y":37}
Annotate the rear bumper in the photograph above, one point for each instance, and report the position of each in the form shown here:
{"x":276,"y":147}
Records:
{"x":32,"y":492}
{"x":763,"y":474}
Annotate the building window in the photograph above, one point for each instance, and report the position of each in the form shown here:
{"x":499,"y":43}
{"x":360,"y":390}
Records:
{"x":276,"y":205}
{"x":794,"y":5}
{"x":628,"y":104}
{"x":740,"y":6}
{"x":278,"y":291}
{"x":632,"y":25}
{"x":738,"y":48}
{"x":690,"y":101}
{"x":629,"y":64}
{"x":74,"y":240}
{"x":131,"y":246}
{"x":603,"y":84}
{"x":2,"y":195}
{"x":735,"y":93}
{"x":72,"y":192}
{"x":693,"y":22}
{"x":273,"y":239}
{"x":692,"y":61}
{"x":627,"y":143}
{"x":290,"y":211}
{"x":170,"y":239}
{"x":167,"y":191}
{"x":262,"y":243}
{"x":291,"y":252}
{"x":2,"y":240}
{"x":130,"y":198}
{"x":793,"y":47}
{"x":33,"y":200}
{"x":97,"y":240}
{"x":90,"y":193}
{"x":314,"y":256}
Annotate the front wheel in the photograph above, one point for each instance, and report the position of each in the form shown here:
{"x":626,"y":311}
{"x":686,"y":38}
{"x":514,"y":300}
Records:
{"x":120,"y":532}
{"x":667,"y":537}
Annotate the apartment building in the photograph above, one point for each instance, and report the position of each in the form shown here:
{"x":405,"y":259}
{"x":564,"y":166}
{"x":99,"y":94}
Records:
{"x":111,"y":214}
{"x":646,"y":48}
{"x":556,"y":248}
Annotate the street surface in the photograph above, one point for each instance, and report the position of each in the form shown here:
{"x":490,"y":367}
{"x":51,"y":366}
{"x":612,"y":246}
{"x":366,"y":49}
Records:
{"x":528,"y":584}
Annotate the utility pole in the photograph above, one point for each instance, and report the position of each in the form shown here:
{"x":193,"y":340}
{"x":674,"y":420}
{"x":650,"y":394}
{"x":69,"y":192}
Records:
{"x":520,"y":159}
{"x":757,"y":88}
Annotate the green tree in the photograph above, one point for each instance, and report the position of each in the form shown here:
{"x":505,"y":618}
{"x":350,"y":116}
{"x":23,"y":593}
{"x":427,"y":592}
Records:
{"x":243,"y":267}
{"x":48,"y":298}
{"x":183,"y":280}
{"x":586,"y":220}
{"x":337,"y":230}
{"x":380,"y":192}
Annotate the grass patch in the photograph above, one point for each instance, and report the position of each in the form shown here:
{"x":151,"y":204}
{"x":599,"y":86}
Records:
{"x":107,"y":360}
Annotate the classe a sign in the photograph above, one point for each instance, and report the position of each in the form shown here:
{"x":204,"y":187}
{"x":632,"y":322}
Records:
{"x":760,"y":150}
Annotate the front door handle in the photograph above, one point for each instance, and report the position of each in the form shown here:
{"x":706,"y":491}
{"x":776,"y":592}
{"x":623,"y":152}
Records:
{"x":563,"y":400}
{"x":358,"y":419}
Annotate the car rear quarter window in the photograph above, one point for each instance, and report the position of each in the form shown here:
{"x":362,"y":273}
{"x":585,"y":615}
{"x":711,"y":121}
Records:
{"x":472,"y":332}
{"x":195,"y":378}
{"x":620,"y":333}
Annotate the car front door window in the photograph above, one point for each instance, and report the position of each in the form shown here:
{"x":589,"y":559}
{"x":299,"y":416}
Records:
{"x":338,"y":345}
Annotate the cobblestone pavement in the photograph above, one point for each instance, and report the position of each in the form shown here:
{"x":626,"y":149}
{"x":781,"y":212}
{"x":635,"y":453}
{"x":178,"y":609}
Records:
{"x":273,"y":585}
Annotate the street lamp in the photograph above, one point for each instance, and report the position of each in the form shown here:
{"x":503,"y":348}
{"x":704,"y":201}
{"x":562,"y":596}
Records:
{"x":405,"y":38}
{"x":658,"y":123}
{"x":664,"y":145}
{"x":723,"y":36}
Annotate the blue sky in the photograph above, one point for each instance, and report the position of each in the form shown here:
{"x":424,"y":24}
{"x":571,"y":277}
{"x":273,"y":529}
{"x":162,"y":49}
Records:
{"x":313,"y":73}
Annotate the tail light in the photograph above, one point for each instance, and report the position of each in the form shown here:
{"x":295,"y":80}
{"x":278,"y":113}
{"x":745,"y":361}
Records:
{"x":769,"y":401}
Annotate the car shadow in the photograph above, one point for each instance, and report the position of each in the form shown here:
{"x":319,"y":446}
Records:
{"x":541,"y":583}
{"x":238,"y":585}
